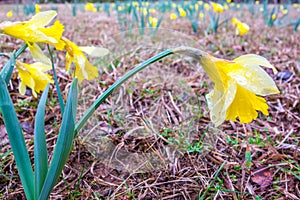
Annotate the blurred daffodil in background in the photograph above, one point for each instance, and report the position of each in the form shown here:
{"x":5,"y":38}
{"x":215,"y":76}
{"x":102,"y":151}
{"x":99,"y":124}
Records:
{"x":37,"y":8}
{"x":9,"y":14}
{"x":173,"y":16}
{"x":241,"y":28}
{"x":90,"y":7}
{"x":201,"y":15}
{"x":218,"y":8}
{"x":153,"y":21}
{"x":33,"y":76}
{"x":206,"y":6}
{"x":182,"y":12}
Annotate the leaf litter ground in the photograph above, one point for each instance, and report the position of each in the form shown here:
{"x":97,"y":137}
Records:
{"x":161,"y":114}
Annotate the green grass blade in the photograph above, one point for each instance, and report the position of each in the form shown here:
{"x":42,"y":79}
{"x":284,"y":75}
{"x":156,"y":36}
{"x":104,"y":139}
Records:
{"x":63,"y":144}
{"x":102,"y":97}
{"x":7,"y":70}
{"x":212,"y":182}
{"x":40,"y":145}
{"x":16,"y":140}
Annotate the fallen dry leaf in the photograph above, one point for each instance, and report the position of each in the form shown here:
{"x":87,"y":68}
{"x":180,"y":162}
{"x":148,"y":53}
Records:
{"x":263,"y":178}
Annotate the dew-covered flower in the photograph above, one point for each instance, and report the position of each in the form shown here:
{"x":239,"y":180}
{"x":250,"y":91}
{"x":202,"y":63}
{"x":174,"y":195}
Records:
{"x":33,"y":76}
{"x":238,"y":85}
{"x":34,"y":30}
{"x":84,"y":70}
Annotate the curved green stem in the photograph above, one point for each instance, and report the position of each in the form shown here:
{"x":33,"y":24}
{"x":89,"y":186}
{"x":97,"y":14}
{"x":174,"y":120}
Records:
{"x":102,"y":98}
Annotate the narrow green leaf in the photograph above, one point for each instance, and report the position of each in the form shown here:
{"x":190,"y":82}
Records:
{"x":16,"y":140}
{"x":40,"y":145}
{"x":63,"y":144}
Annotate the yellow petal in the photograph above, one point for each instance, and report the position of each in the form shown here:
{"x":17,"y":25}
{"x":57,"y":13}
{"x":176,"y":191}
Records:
{"x":42,"y":67}
{"x":219,"y":101}
{"x":84,"y":69}
{"x":42,"y":18}
{"x":253,"y":78}
{"x":249,"y":59}
{"x":245,"y":106}
{"x":38,"y":54}
{"x":55,"y":32}
{"x":94,"y":51}
{"x":33,"y":76}
{"x":208,"y":64}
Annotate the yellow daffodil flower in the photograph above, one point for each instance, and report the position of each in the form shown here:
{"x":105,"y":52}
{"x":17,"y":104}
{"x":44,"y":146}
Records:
{"x":273,"y":17}
{"x":206,"y":6}
{"x":228,"y":1}
{"x":152,"y":10}
{"x":33,"y":76}
{"x":281,"y":7}
{"x":238,"y":86}
{"x":173,"y":16}
{"x":241,"y":28}
{"x":182,"y":12}
{"x":153,"y":21}
{"x":135,"y":3}
{"x":145,"y":12}
{"x":37,"y":8}
{"x":218,"y":8}
{"x":196,"y":7}
{"x":284,"y":12}
{"x":90,"y":7}
{"x":261,"y":9}
{"x":257,"y":2}
{"x":34,"y":30}
{"x":200,"y":3}
{"x":201,"y":15}
{"x":9,"y":14}
{"x":84,"y":70}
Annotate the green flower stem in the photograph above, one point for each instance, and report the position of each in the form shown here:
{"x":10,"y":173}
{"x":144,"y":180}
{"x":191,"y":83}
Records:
{"x":60,"y":98}
{"x":101,"y":99}
{"x":21,"y":50}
